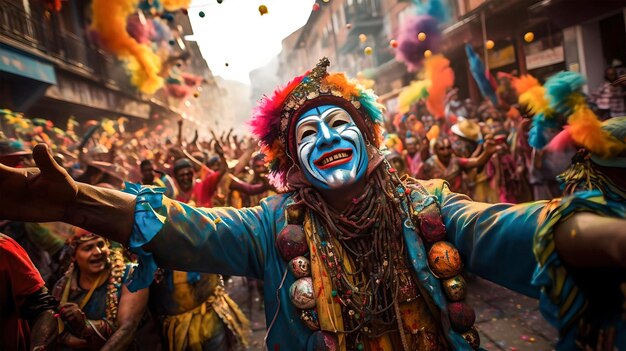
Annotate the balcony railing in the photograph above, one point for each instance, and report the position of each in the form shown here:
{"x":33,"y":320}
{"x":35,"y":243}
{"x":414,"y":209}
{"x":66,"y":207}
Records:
{"x":40,"y":33}
{"x":363,"y":11}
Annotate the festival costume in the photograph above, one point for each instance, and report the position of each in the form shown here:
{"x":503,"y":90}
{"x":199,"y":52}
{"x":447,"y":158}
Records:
{"x":337,"y":281}
{"x":99,"y":304}
{"x":591,"y":303}
{"x":193,"y":309}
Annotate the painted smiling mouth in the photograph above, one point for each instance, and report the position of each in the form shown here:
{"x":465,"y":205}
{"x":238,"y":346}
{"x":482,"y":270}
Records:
{"x":334,"y":158}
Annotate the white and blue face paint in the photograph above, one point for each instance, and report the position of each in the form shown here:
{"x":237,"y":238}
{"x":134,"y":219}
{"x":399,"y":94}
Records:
{"x":331,"y":148}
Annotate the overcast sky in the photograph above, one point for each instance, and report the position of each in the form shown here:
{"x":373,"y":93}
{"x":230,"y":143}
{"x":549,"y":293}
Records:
{"x":234,"y":32}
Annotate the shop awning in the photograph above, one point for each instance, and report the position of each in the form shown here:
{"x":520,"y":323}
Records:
{"x":25,"y":66}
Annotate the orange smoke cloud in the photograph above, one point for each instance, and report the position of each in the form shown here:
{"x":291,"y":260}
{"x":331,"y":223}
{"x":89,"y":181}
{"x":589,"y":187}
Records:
{"x":437,"y":70}
{"x":109,"y":20}
{"x":173,"y":5}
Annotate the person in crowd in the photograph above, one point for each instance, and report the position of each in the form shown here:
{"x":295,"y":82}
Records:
{"x":415,"y":153}
{"x":26,"y":307}
{"x":445,"y":165}
{"x":200,"y":191}
{"x":96,"y":310}
{"x":192,"y":309}
{"x":148,"y":174}
{"x":609,"y":97}
{"x":321,"y":133}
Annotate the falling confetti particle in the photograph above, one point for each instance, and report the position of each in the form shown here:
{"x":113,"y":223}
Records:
{"x":196,"y":95}
{"x":421,"y":36}
{"x":368,"y":50}
{"x":428,"y":53}
{"x":528,"y":37}
{"x":490,"y":44}
{"x":201,"y":14}
{"x":362,"y":38}
{"x":316,"y":7}
{"x":226,"y":64}
{"x":393,"y":43}
{"x":348,"y":25}
{"x":219,"y":1}
{"x":263,"y":10}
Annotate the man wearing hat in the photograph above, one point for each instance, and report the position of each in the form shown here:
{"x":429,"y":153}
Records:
{"x":13,"y":153}
{"x":353,"y":258}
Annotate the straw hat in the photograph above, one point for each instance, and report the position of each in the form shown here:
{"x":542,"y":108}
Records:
{"x":467,"y":129}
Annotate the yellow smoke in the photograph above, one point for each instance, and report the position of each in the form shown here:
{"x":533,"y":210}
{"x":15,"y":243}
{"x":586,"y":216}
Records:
{"x":418,"y":89}
{"x":109,"y":20}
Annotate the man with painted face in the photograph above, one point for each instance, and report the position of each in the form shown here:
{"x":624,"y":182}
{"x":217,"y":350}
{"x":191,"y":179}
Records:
{"x":353,"y":257}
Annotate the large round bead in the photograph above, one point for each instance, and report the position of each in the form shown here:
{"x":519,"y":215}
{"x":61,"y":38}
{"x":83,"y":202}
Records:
{"x":431,"y":224}
{"x":472,"y":337}
{"x":300,"y":267}
{"x":323,"y":341}
{"x":455,"y":288}
{"x":301,"y":293}
{"x":291,"y":242}
{"x":295,"y":214}
{"x":462,"y":316}
{"x":310,"y":319}
{"x":444,"y":260}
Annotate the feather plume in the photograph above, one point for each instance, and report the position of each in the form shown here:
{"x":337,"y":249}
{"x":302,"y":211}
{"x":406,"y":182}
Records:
{"x":524,"y":83}
{"x":561,"y":89}
{"x":542,"y":130}
{"x":416,"y":91}
{"x":478,"y":72}
{"x":586,"y":130}
{"x":534,"y":99}
{"x":340,"y":81}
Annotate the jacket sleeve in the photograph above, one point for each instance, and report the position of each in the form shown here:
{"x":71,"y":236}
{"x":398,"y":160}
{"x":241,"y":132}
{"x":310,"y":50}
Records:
{"x":495,"y":240}
{"x":513,"y":245}
{"x":173,"y":235}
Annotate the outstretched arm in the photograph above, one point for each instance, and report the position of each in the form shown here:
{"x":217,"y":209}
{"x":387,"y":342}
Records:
{"x":519,"y":238}
{"x":247,"y":188}
{"x":589,"y":240}
{"x":49,"y":194}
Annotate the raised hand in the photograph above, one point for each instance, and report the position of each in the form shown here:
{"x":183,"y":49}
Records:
{"x":39,"y":194}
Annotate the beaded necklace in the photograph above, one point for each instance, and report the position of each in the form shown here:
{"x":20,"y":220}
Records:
{"x":363,"y":251}
{"x":369,"y":235}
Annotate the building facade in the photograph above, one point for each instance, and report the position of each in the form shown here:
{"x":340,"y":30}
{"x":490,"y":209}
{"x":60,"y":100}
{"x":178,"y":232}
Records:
{"x":51,"y":67}
{"x":578,"y":35}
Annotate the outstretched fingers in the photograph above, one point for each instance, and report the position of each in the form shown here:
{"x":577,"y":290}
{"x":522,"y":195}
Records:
{"x":45,"y":162}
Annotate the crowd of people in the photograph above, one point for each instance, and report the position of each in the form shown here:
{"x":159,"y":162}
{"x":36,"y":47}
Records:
{"x":79,"y":279}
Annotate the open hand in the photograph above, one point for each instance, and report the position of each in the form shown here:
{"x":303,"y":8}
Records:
{"x":36,"y":194}
{"x":74,"y":317}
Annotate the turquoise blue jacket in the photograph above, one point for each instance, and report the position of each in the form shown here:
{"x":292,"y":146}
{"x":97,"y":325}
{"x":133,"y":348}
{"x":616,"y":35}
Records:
{"x":496,"y":242}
